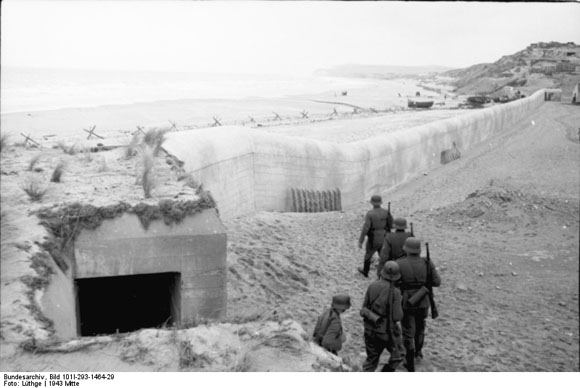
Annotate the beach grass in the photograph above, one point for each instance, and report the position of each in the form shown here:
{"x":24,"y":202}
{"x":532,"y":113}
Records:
{"x":34,"y":190}
{"x":58,"y":171}
{"x":3,"y":141}
{"x":147,"y":163}
{"x":33,"y":161}
{"x":103,"y":167}
{"x":155,"y":137}
{"x":131,"y":148}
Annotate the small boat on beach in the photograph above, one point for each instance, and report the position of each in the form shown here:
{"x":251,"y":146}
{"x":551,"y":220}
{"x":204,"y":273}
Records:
{"x":419,"y":103}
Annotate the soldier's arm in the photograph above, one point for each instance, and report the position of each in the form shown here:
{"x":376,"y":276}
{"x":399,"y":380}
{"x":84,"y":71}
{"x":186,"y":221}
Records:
{"x":397,"y":307}
{"x":367,"y":300}
{"x":435,"y":278}
{"x":365,"y":229}
{"x":332,"y":339}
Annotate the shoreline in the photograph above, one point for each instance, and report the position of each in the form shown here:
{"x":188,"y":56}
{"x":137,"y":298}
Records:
{"x":114,"y":121}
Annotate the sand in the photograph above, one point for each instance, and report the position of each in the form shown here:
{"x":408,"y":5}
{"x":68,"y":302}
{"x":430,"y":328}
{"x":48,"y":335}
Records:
{"x":508,"y":254}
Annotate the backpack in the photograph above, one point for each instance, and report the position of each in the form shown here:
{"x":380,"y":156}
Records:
{"x":321,"y":327}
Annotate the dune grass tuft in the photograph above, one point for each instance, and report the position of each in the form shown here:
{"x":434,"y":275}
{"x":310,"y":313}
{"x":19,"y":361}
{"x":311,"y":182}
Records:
{"x":3,"y":141}
{"x":155,"y":138}
{"x":131,"y":149}
{"x":33,"y":162}
{"x":34,"y":190}
{"x":57,"y":173}
{"x":147,"y":163}
{"x":103,"y":165}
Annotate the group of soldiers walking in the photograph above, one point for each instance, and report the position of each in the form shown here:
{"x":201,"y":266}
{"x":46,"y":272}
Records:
{"x":396,"y":305}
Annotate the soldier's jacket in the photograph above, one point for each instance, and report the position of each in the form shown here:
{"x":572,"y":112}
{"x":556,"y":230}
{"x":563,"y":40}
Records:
{"x":332,"y":337}
{"x":377,"y":300}
{"x":392,"y":248}
{"x":377,"y":222}
{"x":414,"y":276}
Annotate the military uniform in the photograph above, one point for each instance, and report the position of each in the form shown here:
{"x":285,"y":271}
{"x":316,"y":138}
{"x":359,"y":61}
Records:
{"x":383,"y":299}
{"x":413,"y":277}
{"x":328,"y":332}
{"x":377,"y":224}
{"x":393,"y":246}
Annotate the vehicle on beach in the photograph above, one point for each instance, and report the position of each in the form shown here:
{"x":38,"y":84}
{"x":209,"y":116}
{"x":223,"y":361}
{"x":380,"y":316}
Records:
{"x":477,"y":101}
{"x":419,"y":103}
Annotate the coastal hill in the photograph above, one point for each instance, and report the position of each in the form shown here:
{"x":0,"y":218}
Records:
{"x":539,"y":65}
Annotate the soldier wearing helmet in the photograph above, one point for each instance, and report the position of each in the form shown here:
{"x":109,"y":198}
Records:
{"x":328,"y":332}
{"x":377,"y":224}
{"x":413,"y":279}
{"x":393,"y":245}
{"x":382,"y":312}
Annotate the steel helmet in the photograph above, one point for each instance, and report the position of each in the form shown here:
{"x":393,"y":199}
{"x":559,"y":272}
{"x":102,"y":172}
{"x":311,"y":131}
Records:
{"x":412,"y":245}
{"x":391,"y":271}
{"x":400,"y":223}
{"x":341,"y":301}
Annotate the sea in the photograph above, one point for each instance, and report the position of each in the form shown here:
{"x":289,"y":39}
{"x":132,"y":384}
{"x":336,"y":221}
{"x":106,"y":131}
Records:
{"x":41,"y":89}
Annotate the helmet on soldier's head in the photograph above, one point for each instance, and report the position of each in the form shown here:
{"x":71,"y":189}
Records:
{"x":341,"y":301}
{"x":391,"y":271}
{"x":412,"y":245}
{"x":400,"y":223}
{"x":376,"y":200}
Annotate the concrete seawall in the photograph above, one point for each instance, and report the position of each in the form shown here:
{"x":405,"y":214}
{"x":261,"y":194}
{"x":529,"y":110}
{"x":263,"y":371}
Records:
{"x":248,"y":170}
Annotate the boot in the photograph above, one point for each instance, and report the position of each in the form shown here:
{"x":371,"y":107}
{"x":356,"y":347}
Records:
{"x":365,"y":274}
{"x":419,"y":346}
{"x":410,"y":360}
{"x":387,"y":368}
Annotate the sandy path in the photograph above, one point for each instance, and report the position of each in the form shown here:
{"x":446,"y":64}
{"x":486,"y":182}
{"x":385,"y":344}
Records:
{"x":508,"y":256}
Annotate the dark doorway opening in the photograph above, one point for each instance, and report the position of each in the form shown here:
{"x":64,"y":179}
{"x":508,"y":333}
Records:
{"x":108,"y":305}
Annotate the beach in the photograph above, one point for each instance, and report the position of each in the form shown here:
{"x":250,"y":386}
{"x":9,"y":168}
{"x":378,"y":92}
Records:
{"x":278,"y":102}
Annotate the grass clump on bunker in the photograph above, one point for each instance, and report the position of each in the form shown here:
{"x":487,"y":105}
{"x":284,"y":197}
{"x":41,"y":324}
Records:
{"x":66,"y":222}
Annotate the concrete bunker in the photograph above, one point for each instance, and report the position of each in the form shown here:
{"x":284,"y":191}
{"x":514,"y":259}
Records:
{"x":125,"y":276}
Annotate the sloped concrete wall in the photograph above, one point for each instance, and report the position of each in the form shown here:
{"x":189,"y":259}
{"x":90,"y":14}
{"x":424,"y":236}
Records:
{"x":196,"y":248}
{"x":247,"y":170}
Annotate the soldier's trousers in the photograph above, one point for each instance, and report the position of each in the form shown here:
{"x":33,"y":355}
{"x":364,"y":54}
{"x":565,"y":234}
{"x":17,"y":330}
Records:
{"x":375,"y":343}
{"x":413,"y":325}
{"x":369,"y":252}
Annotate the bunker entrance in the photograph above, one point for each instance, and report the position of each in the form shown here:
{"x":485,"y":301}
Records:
{"x":107,"y":305}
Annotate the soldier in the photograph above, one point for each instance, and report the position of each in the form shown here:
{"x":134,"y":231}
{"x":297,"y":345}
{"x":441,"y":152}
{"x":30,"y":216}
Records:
{"x":377,"y":224}
{"x":414,"y":278}
{"x":328,"y":332}
{"x":382,"y":312}
{"x":393,"y":245}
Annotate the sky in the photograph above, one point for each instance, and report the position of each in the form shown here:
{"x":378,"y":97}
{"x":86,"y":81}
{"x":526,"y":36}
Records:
{"x":273,"y":37}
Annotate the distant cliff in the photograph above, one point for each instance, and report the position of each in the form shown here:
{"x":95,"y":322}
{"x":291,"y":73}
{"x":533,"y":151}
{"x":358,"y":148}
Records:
{"x":550,"y":64}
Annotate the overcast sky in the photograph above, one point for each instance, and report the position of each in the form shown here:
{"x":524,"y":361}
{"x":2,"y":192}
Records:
{"x":273,"y":37}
